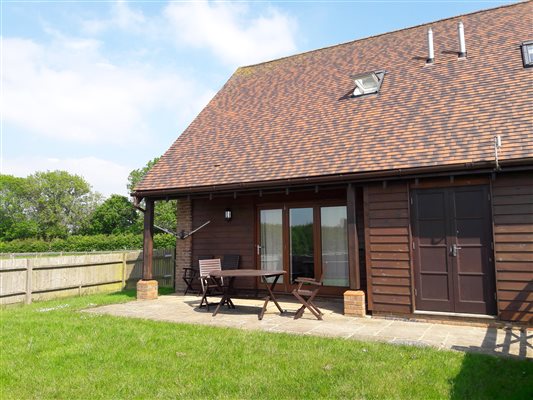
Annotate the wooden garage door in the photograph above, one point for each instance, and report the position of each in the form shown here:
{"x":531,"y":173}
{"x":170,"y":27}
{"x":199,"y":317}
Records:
{"x":452,"y":236}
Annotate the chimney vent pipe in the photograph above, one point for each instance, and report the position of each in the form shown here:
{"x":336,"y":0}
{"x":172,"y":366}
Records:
{"x":462,"y":44}
{"x":431,"y":52}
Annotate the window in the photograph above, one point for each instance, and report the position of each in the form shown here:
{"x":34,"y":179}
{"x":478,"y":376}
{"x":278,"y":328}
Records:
{"x":367,"y":83}
{"x":527,"y":54}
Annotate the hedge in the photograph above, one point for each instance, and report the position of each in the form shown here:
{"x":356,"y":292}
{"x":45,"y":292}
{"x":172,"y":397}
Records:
{"x":86,"y":243}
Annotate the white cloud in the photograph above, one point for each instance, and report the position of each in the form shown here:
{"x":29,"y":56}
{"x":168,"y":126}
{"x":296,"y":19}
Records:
{"x":67,"y":90}
{"x":231,"y":32}
{"x":122,"y":16}
{"x":106,"y":177}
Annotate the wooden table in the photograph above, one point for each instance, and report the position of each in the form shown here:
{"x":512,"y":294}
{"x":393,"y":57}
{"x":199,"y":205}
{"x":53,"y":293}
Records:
{"x":231,"y":274}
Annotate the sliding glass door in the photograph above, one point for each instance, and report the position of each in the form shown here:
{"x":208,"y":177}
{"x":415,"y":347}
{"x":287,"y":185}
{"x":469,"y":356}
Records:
{"x":270,"y":248}
{"x":306,"y":241}
{"x":302,"y":244}
{"x":334,"y":238}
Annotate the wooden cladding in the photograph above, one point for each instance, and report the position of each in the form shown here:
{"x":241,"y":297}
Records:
{"x":512,"y":207}
{"x":388,"y":257}
{"x":387,"y":247}
{"x":221,"y":237}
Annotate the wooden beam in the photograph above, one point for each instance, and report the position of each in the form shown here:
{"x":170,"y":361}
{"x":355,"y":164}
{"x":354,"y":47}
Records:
{"x":353,"y":243}
{"x":148,"y":242}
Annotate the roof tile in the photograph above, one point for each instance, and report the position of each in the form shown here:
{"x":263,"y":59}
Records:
{"x":293,"y":117}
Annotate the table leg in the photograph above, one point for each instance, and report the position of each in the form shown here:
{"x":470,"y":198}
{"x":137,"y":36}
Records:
{"x":270,"y":296}
{"x":226,"y":291}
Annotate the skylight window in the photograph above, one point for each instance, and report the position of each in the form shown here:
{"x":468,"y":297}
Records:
{"x":527,"y":53}
{"x":367,"y":83}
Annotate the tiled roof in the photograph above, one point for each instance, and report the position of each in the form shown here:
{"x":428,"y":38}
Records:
{"x":294,"y":118}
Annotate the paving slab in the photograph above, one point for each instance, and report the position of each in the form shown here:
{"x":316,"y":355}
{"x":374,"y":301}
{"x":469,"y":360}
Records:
{"x":185,"y":309}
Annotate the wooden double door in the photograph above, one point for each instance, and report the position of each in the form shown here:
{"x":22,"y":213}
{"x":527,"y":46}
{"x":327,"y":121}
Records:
{"x":453,"y":257}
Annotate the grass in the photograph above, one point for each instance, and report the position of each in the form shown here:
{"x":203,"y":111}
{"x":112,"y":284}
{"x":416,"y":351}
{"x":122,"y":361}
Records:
{"x":49,"y":350}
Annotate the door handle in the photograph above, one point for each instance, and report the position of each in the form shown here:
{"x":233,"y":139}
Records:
{"x":259,"y":250}
{"x":454,"y":249}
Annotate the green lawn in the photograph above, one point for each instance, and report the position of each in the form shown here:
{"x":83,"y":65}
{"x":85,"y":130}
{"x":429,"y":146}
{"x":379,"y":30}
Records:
{"x":49,"y":350}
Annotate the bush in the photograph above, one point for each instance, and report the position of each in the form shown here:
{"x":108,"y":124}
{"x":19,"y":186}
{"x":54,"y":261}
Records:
{"x":86,"y":243}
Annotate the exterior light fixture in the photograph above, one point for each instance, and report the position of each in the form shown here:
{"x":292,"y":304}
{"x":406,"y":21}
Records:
{"x":227,"y":215}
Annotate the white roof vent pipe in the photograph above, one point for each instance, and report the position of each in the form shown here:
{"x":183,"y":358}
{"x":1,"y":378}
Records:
{"x":431,"y":52}
{"x":462,"y":44}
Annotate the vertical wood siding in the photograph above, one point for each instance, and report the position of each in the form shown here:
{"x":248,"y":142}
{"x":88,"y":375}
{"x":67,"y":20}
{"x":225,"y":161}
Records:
{"x":388,"y":256}
{"x":512,"y":207}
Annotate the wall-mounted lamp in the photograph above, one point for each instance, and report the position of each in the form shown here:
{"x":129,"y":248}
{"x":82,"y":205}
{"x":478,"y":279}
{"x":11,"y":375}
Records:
{"x":227,"y":215}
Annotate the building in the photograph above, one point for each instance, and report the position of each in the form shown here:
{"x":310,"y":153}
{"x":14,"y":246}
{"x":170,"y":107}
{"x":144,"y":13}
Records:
{"x":399,"y":164}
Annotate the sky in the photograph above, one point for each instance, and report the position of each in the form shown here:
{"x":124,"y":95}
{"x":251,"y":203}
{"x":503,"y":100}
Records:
{"x":99,"y":88}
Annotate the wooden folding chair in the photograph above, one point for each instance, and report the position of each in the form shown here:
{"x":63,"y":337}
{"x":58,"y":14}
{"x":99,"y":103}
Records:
{"x":306,"y":296}
{"x":191,"y":273}
{"x":210,"y":284}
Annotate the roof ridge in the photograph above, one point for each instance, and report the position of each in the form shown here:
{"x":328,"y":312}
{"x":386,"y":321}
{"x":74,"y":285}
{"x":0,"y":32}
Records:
{"x":519,"y":2}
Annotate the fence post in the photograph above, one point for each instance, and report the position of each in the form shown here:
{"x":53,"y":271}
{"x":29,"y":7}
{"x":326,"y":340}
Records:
{"x":29,"y":284}
{"x":123,"y":270}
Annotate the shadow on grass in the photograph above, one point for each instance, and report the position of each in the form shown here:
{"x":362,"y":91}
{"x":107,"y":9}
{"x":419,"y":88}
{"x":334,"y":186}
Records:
{"x":485,"y":376}
{"x":132,"y":293}
{"x":492,"y":377}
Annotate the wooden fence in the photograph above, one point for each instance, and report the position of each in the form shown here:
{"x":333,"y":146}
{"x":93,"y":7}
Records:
{"x":42,"y":277}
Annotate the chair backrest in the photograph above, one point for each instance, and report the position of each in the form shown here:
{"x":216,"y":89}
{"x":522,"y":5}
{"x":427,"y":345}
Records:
{"x":206,"y":266}
{"x":231,"y":261}
{"x":307,"y":282}
{"x":204,"y":257}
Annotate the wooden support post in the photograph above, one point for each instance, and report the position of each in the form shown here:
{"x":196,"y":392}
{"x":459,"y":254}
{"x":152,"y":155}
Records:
{"x":147,"y":288}
{"x":29,"y":283}
{"x":148,"y":244}
{"x":353,"y":243}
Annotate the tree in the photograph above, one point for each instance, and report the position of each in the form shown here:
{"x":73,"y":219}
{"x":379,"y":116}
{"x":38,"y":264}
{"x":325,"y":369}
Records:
{"x":115,"y":215}
{"x":15,"y":222}
{"x":165,"y":211}
{"x":61,"y":203}
{"x":137,"y":175}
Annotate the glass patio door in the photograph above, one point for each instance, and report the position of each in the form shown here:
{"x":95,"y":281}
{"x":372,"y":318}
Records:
{"x":305,"y":241}
{"x":302,"y":246}
{"x":271,"y":240}
{"x":334,"y":235}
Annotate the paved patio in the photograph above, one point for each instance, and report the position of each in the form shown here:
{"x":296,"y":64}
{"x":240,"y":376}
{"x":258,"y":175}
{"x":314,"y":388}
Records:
{"x":184,"y":309}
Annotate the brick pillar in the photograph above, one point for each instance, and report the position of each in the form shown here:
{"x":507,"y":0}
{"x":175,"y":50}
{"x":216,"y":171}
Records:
{"x":354,"y":303}
{"x":147,"y":290}
{"x":183,"y":247}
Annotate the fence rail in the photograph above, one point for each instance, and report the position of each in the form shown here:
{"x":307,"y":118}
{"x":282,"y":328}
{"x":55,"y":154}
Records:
{"x":42,"y":277}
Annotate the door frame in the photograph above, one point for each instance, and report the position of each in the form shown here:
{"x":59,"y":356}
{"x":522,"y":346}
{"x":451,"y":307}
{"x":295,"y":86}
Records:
{"x":317,"y":248}
{"x":450,"y":184}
